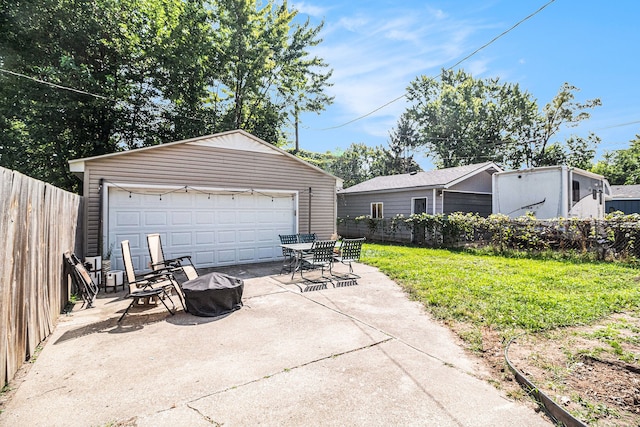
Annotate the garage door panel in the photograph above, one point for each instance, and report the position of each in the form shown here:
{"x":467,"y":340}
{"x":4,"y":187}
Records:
{"x":266,"y":235}
{"x":181,"y":239}
{"x":204,"y":258}
{"x":181,"y":218}
{"x":226,"y":237}
{"x":226,"y":256}
{"x":265,"y":252}
{"x":128,"y":219}
{"x":155,"y":218}
{"x":216,"y":229}
{"x":246,"y":236}
{"x":226,"y":217}
{"x":246,"y":254}
{"x":134,"y":241}
{"x":246,"y":217}
{"x":204,"y":218}
{"x":205,"y":237}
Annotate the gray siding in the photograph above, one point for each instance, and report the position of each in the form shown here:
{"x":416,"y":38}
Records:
{"x":630,"y":206}
{"x":187,"y":164}
{"x":479,"y":183}
{"x":467,"y":202}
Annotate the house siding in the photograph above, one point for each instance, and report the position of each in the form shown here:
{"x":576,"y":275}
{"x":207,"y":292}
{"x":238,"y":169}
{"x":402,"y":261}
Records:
{"x":629,"y":206}
{"x":467,"y":202}
{"x":187,"y":164}
{"x":351,"y":206}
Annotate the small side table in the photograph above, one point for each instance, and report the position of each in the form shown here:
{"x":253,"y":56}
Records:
{"x":114,"y":279}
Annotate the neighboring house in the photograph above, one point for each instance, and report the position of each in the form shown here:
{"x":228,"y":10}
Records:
{"x":458,"y":189}
{"x":624,"y":198}
{"x":223,"y":199}
{"x":550,"y":192}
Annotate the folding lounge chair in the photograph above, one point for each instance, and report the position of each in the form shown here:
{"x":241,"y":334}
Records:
{"x":321,"y":257}
{"x":289,"y":256}
{"x":154,"y":285}
{"x":158,"y":263}
{"x":349,"y":253}
{"x":82,"y":280}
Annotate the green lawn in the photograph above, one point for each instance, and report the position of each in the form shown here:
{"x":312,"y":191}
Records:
{"x":508,"y":294}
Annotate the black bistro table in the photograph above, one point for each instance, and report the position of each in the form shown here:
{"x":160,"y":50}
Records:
{"x":213,"y":294}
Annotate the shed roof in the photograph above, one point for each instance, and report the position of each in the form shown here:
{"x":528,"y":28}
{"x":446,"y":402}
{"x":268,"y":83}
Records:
{"x":439,"y":178}
{"x":224,"y":140}
{"x":625,"y":192}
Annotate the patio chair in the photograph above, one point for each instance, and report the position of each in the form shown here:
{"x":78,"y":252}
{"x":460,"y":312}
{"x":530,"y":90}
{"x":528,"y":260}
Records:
{"x":320,"y":257}
{"x":150,"y":286}
{"x":289,"y":256}
{"x":81,"y":278}
{"x":307,"y":238}
{"x":158,"y":263}
{"x":349,"y":253}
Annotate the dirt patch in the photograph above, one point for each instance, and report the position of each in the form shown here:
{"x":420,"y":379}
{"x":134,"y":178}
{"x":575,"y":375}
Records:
{"x":593,"y":371}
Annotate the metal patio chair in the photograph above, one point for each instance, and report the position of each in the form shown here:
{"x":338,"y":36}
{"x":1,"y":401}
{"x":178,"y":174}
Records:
{"x":320,"y":257}
{"x":307,"y":238}
{"x":150,"y":286}
{"x":349,"y":253}
{"x":81,"y":279}
{"x":289,"y":256}
{"x":159,"y":263}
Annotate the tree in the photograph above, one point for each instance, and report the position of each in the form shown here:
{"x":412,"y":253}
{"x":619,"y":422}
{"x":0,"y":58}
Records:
{"x":621,"y":167}
{"x":267,"y":74}
{"x":396,"y":158}
{"x":148,"y":71}
{"x":461,"y":120}
{"x":561,"y":111}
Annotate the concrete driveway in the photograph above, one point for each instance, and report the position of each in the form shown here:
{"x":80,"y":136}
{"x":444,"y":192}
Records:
{"x":358,"y":355}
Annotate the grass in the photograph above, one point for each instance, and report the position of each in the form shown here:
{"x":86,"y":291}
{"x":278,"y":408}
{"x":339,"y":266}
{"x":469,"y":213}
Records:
{"x":508,"y":294}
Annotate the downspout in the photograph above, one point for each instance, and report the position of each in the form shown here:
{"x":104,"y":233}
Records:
{"x":309,"y":227}
{"x":570,"y":191}
{"x":433,"y":211}
{"x":101,"y":190}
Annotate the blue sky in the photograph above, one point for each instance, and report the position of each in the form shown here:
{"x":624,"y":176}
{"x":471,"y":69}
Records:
{"x":376,"y":48}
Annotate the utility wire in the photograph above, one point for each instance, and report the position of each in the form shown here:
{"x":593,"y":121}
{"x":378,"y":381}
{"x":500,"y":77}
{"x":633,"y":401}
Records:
{"x":448,"y":69}
{"x":56,"y":85}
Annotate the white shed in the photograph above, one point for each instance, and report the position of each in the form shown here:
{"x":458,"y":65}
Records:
{"x":550,"y":192}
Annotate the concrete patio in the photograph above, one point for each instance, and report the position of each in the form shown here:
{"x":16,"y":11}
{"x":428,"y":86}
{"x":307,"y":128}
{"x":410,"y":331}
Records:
{"x":357,"y":355}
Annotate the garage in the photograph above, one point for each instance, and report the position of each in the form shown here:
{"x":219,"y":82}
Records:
{"x":215,"y":229}
{"x":222,"y":198}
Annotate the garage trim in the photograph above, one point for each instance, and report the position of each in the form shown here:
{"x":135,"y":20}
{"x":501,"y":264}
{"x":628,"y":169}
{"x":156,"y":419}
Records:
{"x":165,"y":189}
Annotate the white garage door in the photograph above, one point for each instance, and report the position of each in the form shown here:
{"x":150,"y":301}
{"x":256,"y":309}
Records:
{"x":215,"y":229}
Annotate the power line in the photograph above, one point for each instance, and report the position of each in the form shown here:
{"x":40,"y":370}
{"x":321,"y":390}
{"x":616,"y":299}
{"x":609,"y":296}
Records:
{"x":57,"y":85}
{"x":448,"y":69}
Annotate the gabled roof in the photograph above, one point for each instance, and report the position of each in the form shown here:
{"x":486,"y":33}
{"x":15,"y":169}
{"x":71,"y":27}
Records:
{"x":224,"y":140}
{"x":625,"y":191}
{"x":439,"y":178}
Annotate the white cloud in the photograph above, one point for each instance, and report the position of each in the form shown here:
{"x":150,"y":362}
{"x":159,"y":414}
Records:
{"x":310,"y":9}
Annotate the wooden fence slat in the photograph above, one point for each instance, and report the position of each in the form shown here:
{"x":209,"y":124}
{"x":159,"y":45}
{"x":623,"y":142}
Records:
{"x":6,"y":183}
{"x":38,"y":224}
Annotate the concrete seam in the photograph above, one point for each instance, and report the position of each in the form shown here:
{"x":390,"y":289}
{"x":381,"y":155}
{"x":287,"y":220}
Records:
{"x":285,"y":370}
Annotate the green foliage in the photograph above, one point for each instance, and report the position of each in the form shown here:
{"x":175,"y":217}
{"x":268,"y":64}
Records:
{"x":162,"y":70}
{"x":461,"y":120}
{"x":621,"y":167}
{"x":508,"y":293}
{"x":616,"y":237}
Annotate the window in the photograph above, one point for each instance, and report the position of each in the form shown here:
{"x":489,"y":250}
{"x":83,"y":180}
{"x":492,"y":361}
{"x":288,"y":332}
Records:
{"x":575,"y":186}
{"x":376,"y":210}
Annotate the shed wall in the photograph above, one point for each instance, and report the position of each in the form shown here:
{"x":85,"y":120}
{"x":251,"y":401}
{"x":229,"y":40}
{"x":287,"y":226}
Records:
{"x":629,"y":206}
{"x":200,"y":166}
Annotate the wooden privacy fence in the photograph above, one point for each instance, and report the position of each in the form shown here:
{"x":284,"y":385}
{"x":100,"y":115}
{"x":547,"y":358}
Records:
{"x":38,"y":224}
